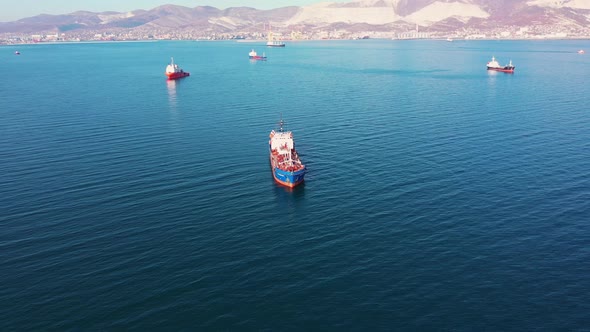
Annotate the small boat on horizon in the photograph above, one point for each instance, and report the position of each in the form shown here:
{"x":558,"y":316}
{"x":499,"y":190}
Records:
{"x":16,"y":53}
{"x":581,"y":52}
{"x":494,"y":65}
{"x":174,"y":72}
{"x":254,"y":56}
{"x":287,"y":168}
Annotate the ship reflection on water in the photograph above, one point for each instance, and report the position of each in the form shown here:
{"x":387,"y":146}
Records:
{"x":289,"y":199}
{"x":171,"y":85}
{"x":299,"y":189}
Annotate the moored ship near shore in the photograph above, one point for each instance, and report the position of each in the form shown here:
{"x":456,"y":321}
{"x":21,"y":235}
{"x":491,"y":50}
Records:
{"x":275,"y":43}
{"x":287,"y":168}
{"x":494,"y":65}
{"x":272,"y":41}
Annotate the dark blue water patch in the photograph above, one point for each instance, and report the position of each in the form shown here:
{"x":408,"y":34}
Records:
{"x":438,"y":195}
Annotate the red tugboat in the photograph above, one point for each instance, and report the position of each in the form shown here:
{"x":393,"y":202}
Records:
{"x":494,"y":65}
{"x":173,"y":71}
{"x":254,"y":56}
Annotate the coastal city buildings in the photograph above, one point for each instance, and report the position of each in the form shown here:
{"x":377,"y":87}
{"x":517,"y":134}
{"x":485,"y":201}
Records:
{"x":144,"y":34}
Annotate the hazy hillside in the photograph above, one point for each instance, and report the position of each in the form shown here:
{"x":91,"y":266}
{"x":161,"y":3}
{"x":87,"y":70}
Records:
{"x":375,"y":15}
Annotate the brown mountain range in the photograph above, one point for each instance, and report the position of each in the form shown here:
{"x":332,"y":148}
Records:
{"x":393,"y":14}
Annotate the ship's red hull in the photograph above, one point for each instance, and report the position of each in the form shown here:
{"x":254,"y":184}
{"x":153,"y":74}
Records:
{"x":504,"y":70}
{"x":257,"y":57}
{"x":173,"y":76}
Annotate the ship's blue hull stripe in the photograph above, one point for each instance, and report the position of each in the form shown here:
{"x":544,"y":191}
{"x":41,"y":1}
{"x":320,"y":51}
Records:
{"x":289,"y":178}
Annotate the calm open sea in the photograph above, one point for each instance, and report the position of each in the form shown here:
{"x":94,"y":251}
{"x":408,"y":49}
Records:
{"x":438,"y":195}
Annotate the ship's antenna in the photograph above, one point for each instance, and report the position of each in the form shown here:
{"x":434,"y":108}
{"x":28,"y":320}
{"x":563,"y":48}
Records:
{"x":281,"y":123}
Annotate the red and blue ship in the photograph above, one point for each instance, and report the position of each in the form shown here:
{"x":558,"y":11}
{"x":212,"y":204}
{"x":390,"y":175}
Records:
{"x":287,"y":168}
{"x":254,"y":56}
{"x":494,"y":65}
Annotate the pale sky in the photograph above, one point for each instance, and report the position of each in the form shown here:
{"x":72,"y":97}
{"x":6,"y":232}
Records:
{"x":11,"y":10}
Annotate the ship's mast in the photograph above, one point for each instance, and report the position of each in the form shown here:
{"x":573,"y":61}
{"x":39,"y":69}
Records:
{"x":281,"y":123}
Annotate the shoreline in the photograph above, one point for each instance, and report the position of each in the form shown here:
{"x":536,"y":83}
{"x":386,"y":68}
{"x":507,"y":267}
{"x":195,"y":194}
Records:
{"x":290,"y":41}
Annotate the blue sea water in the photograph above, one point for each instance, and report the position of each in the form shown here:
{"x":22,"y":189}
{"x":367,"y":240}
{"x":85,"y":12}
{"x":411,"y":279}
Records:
{"x":439,"y":196}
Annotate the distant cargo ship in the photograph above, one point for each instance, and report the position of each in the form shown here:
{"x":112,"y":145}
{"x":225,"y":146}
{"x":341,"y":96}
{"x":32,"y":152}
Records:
{"x":494,"y":65}
{"x":275,"y":43}
{"x":272,"y":42}
{"x":174,"y":72}
{"x":287,"y":168}
{"x":254,"y":56}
